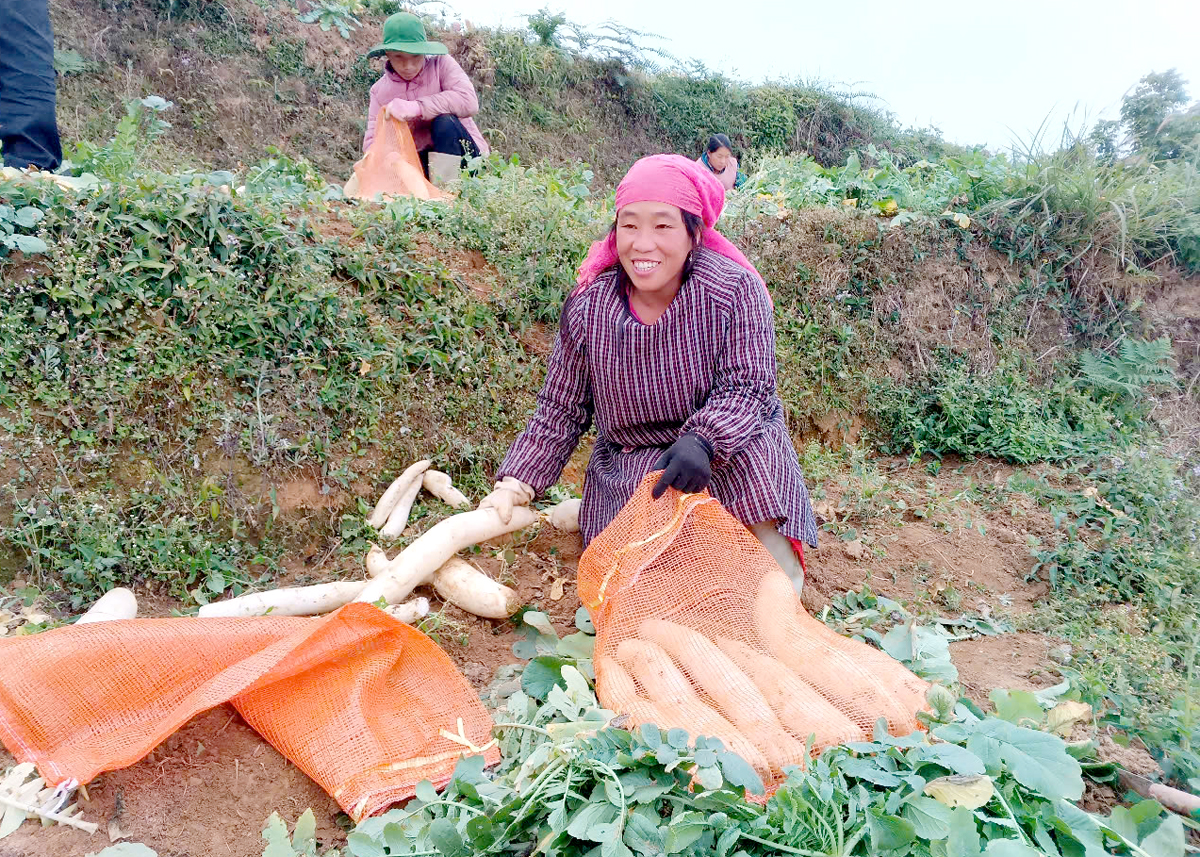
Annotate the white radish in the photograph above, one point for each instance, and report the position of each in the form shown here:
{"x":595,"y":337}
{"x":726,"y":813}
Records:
{"x":418,"y":562}
{"x":830,"y":663}
{"x":398,"y":519}
{"x":410,"y":612}
{"x":565,"y":516}
{"x":461,"y":584}
{"x":376,"y":561}
{"x":119,"y":603}
{"x":736,"y":696}
{"x":799,"y":708}
{"x":465,"y":586}
{"x":289,"y":601}
{"x":383,"y":509}
{"x":657,"y":674}
{"x":616,"y":690}
{"x":439,"y":485}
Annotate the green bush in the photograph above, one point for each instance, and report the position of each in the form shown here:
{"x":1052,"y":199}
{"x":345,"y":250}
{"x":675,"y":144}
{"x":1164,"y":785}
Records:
{"x":689,"y":108}
{"x":771,"y":119}
{"x":285,"y":56}
{"x":1068,"y":207}
{"x":91,"y":546}
{"x":1132,"y":528}
{"x":1001,"y":415}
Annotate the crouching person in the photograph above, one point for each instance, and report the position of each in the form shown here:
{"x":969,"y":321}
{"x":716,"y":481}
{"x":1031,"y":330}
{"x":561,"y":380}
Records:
{"x":424,"y":86}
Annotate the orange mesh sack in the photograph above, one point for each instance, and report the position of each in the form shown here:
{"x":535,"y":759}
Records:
{"x":365,"y":705}
{"x":697,"y":627}
{"x":391,"y":166}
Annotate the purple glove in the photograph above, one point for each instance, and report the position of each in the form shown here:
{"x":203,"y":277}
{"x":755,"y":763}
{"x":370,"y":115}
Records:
{"x":405,"y":110}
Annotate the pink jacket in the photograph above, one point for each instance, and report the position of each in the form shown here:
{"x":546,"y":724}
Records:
{"x":441,"y":87}
{"x":727,"y":177}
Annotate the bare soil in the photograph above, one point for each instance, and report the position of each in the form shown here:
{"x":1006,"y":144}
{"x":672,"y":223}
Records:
{"x":1014,"y":661}
{"x":206,"y":791}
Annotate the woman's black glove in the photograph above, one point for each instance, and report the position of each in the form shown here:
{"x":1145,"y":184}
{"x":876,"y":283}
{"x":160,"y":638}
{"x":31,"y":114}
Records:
{"x":687,"y":466}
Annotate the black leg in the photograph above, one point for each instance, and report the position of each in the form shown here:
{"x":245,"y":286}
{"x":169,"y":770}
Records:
{"x":28,"y":127}
{"x":451,"y":137}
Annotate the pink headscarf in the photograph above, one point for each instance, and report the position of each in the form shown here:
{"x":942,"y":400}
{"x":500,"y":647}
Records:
{"x":674,"y":180}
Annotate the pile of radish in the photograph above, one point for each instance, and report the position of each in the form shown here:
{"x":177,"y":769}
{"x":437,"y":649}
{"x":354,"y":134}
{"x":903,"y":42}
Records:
{"x":431,"y":559}
{"x":762,"y":701}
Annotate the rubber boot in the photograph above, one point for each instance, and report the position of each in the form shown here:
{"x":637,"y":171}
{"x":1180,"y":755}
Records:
{"x":443,"y":168}
{"x":781,"y":550}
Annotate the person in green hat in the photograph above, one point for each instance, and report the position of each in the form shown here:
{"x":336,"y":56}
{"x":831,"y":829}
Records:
{"x":423,"y":85}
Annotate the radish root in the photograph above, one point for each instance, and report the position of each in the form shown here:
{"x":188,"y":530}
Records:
{"x":119,"y":603}
{"x":398,"y":518}
{"x":391,"y":497}
{"x":418,"y":562}
{"x":439,"y":485}
{"x":565,"y":516}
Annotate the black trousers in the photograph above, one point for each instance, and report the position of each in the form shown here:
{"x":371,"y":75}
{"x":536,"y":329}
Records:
{"x":450,"y":137}
{"x":28,"y":127}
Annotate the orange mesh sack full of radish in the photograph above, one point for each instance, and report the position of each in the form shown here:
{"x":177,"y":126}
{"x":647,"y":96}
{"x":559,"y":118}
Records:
{"x":697,"y":627}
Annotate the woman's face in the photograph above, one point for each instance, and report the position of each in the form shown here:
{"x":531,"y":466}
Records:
{"x":653,"y":245}
{"x":719,"y":159}
{"x":407,"y":66}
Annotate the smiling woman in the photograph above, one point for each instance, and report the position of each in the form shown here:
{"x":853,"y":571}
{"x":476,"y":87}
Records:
{"x":654,"y":245}
{"x":668,"y":344}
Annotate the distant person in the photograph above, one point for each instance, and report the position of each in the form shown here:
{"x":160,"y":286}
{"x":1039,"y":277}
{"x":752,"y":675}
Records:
{"x":28,"y":127}
{"x":425,"y":87}
{"x":721,"y":163}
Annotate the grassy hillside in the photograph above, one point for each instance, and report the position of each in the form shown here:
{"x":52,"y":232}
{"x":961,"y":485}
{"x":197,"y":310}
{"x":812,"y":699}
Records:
{"x":245,"y":74}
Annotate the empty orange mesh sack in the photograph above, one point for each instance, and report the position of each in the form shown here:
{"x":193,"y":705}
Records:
{"x":391,"y":165}
{"x":697,"y":627}
{"x":365,"y":705}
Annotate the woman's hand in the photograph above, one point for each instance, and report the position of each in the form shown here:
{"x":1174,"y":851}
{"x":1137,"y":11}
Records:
{"x":687,"y":466}
{"x":508,"y":492}
{"x":404,"y":110}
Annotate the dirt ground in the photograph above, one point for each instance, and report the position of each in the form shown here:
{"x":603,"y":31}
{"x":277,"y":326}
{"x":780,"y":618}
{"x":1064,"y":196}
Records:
{"x":208,"y":790}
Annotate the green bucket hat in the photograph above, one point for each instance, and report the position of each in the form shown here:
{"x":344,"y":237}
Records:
{"x":405,"y":32}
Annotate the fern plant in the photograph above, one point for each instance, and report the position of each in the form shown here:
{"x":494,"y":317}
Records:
{"x":1137,"y":366}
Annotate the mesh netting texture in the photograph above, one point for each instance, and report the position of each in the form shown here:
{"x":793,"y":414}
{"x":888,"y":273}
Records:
{"x":365,"y":705}
{"x":697,"y":627}
{"x":391,"y":165}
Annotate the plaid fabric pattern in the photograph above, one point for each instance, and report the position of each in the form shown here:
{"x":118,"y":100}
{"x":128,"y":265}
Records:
{"x":706,"y":366}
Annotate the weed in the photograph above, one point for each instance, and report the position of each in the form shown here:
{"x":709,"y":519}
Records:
{"x":1136,"y":368}
{"x":330,"y":14}
{"x":1130,"y":528}
{"x":286,"y":56}
{"x":91,"y":546}
{"x":139,"y":127}
{"x":444,"y":629}
{"x":1002,"y":415}
{"x":533,"y":224}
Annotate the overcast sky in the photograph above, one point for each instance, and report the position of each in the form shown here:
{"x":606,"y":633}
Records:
{"x":982,"y":72}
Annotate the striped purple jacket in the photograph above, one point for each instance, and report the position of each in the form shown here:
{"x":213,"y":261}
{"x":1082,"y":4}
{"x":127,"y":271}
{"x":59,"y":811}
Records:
{"x":706,"y":366}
